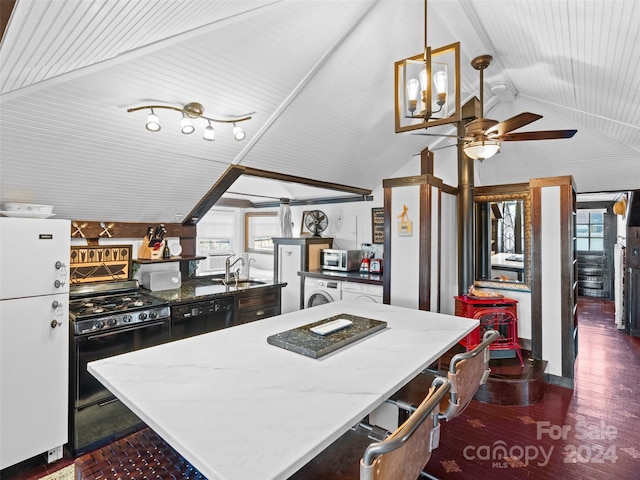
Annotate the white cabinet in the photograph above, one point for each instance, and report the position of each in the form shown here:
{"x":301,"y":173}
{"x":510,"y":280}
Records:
{"x":292,"y":255}
{"x":289,"y":260}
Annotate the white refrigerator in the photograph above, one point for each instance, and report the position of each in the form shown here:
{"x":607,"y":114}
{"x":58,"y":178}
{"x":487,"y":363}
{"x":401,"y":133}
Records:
{"x":34,"y":337}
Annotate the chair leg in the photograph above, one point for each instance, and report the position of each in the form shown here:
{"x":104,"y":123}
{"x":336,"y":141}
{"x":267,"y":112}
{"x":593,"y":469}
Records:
{"x":424,"y":474}
{"x":519,"y":352}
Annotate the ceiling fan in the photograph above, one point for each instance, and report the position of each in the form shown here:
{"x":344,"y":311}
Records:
{"x":482,"y":136}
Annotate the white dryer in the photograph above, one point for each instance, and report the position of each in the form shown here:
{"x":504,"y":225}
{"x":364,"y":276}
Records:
{"x":318,"y":291}
{"x":362,"y":292}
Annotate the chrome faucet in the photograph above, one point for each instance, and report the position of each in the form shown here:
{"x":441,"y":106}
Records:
{"x":228,"y":265}
{"x":249,"y":267}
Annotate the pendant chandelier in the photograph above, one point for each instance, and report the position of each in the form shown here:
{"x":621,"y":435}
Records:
{"x":427,"y":87}
{"x":191,"y":111}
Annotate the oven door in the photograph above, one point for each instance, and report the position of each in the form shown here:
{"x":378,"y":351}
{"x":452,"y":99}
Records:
{"x":99,"y":345}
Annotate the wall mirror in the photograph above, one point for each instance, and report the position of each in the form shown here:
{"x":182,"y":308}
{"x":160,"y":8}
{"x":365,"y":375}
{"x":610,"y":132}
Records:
{"x":503,"y":240}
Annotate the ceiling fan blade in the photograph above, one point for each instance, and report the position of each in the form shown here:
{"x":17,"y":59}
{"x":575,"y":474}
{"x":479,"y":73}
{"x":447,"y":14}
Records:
{"x":435,"y":135}
{"x":539,"y":135}
{"x":437,"y":148}
{"x":512,"y":123}
{"x":444,"y":146}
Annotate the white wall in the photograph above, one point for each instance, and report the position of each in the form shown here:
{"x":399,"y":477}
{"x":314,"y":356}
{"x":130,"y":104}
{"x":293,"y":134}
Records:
{"x":405,"y":249}
{"x":449,"y":254}
{"x":551,"y":273}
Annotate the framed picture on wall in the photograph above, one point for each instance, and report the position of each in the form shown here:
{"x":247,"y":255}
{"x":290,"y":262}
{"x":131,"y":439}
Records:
{"x":377,"y":225}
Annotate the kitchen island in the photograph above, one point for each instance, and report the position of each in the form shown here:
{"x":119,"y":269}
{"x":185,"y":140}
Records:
{"x":237,"y":407}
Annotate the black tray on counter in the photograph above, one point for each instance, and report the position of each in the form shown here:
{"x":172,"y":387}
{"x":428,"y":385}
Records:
{"x":303,"y":341}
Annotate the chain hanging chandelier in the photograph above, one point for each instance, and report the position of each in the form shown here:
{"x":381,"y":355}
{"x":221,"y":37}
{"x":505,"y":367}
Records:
{"x":427,"y":87}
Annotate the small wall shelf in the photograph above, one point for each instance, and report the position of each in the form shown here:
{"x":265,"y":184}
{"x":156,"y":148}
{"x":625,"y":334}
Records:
{"x":182,"y":258}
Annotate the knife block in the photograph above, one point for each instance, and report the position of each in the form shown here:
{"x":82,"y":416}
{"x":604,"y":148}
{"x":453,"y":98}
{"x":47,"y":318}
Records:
{"x":147,"y":253}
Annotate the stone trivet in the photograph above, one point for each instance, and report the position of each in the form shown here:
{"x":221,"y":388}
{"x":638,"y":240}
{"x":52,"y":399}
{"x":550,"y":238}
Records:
{"x":303,"y":341}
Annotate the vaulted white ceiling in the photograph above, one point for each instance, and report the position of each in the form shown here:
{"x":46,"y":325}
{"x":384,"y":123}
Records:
{"x":317,"y":78}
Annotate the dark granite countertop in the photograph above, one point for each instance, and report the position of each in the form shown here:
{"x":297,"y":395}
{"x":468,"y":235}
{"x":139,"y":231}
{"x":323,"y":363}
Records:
{"x":303,"y":341}
{"x":202,"y":288}
{"x":357,"y":277}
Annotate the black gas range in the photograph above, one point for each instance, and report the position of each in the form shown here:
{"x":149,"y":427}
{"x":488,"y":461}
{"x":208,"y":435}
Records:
{"x":112,"y":305}
{"x":107,"y":319}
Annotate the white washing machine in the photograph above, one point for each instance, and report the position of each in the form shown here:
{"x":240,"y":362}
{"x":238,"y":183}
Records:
{"x":318,"y":291}
{"x":362,"y":291}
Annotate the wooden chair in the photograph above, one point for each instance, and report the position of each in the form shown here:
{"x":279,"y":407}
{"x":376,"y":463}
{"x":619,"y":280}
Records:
{"x":467,"y":371}
{"x":370,"y":453}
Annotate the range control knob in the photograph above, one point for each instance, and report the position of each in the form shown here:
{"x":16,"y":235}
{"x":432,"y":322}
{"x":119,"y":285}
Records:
{"x":126,"y":319}
{"x":99,"y":324}
{"x":153,"y":314}
{"x":112,"y":322}
{"x":143,"y":316}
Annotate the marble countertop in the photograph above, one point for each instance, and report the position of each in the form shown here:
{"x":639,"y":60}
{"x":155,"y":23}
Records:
{"x":505,"y":260}
{"x":239,"y":408}
{"x":205,"y":287}
{"x":356,"y":277}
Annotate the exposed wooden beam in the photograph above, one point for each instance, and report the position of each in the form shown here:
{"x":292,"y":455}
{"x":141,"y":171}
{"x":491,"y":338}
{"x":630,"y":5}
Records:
{"x":233,"y":172}
{"x":6,"y":7}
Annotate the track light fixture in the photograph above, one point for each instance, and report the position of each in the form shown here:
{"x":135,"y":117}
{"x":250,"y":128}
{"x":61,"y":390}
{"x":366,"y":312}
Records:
{"x":209,"y":133}
{"x":191,"y":111}
{"x":153,"y":122}
{"x":238,"y":133}
{"x":186,"y":127}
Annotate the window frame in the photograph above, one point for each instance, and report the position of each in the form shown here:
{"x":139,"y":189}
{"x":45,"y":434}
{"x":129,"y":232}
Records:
{"x":590,"y":236}
{"x":248,"y":216}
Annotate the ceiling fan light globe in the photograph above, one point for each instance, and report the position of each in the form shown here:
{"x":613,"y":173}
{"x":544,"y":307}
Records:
{"x":482,"y":149}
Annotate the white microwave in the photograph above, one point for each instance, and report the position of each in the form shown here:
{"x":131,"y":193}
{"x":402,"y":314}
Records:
{"x":341,"y":260}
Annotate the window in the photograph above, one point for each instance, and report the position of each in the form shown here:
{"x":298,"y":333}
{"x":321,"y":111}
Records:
{"x":216,"y":233}
{"x":259,"y":228}
{"x":590,"y":230}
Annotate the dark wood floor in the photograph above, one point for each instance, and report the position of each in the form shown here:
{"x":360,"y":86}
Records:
{"x":591,"y":432}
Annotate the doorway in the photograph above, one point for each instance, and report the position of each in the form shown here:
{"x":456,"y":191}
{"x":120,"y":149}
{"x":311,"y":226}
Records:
{"x":596,"y":230}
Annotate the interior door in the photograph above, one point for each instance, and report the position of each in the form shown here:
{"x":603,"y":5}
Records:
{"x":595,"y":251}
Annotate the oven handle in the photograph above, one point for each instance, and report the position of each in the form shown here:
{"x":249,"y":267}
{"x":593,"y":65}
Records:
{"x":108,"y":402}
{"x":117,"y":332}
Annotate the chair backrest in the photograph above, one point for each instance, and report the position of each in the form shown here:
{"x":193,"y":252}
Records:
{"x":467,"y":371}
{"x":404,"y":453}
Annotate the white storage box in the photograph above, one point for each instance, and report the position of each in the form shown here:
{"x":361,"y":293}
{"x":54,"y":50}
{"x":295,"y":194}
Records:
{"x":155,"y":281}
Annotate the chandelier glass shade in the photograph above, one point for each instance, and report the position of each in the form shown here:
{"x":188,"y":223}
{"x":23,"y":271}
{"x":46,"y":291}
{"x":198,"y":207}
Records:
{"x":191,"y":111}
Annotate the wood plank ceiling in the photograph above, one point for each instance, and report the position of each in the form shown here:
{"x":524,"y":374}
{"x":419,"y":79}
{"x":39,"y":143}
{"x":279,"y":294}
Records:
{"x":317,"y":78}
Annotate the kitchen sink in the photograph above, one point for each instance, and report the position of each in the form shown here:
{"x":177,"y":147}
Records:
{"x":246,"y":283}
{"x":242,"y":283}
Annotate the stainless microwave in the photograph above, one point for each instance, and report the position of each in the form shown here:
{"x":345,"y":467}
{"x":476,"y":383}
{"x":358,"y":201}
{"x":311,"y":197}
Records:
{"x":341,"y":260}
